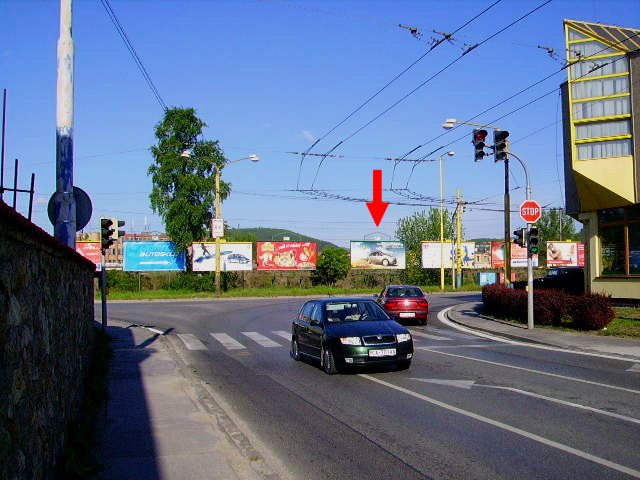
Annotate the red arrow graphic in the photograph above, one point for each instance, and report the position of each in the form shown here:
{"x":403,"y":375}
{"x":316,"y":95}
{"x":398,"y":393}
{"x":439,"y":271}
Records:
{"x":377,"y":208}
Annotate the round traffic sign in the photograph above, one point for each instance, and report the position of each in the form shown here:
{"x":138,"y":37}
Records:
{"x":530,"y":211}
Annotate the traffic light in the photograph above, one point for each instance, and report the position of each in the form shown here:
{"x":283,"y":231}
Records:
{"x":533,"y":241}
{"x":106,"y":233}
{"x":500,"y":144}
{"x":520,"y":237}
{"x":116,"y":225}
{"x":478,"y":139}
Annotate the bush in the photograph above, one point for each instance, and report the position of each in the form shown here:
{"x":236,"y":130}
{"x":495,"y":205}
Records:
{"x":551,"y":307}
{"x":122,"y":281}
{"x":193,"y":281}
{"x":505,"y":302}
{"x":593,"y":312}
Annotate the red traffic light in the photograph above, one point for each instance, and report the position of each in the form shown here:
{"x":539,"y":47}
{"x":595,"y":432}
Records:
{"x":479,"y":136}
{"x":478,"y":139}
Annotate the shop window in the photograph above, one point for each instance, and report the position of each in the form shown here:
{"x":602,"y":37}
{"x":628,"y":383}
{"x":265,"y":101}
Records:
{"x":612,"y":250}
{"x":619,"y":234}
{"x":634,"y":248}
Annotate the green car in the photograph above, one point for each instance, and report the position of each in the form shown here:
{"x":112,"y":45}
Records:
{"x":349,"y":332}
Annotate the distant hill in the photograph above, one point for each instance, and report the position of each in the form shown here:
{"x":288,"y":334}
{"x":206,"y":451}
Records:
{"x":260,"y":234}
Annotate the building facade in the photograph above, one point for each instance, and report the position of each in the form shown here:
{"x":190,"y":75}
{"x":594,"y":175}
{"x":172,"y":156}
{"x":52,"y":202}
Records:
{"x":601,"y":124}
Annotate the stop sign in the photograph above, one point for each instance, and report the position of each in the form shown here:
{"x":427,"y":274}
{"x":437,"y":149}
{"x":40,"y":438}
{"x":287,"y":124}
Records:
{"x":530,"y":211}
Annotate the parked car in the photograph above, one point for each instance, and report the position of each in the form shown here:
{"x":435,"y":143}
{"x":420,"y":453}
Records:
{"x":349,"y":332}
{"x":380,"y":257}
{"x":237,"y":258}
{"x":404,"y":303}
{"x":569,"y":279}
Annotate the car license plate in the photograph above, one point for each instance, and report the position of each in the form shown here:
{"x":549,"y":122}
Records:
{"x":386,"y":352}
{"x":407,"y":314}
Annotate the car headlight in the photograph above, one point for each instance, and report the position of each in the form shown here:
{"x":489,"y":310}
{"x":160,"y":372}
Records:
{"x":403,"y":337}
{"x":350,"y":341}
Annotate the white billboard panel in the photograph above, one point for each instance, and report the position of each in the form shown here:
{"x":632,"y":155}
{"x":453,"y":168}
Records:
{"x":233,"y":256}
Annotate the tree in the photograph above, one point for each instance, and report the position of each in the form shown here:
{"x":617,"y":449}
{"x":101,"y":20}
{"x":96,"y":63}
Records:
{"x":183,"y":188}
{"x":554,"y":224}
{"x":419,"y":227}
{"x":333,"y":265}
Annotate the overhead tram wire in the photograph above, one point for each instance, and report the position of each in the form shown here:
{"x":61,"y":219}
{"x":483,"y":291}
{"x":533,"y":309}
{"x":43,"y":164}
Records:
{"x":405,"y":70}
{"x":132,"y":51}
{"x":403,"y":98}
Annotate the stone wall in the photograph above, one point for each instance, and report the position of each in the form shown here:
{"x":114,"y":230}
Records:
{"x":46,"y":341}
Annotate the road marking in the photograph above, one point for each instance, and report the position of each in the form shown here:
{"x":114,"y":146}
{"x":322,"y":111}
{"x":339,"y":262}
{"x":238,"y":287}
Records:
{"x":227,"y":342}
{"x":261,"y":339}
{"x":442,"y":316}
{"x":191,"y":341}
{"x":531,"y":370}
{"x":468,"y":384}
{"x":430,"y":337}
{"x":509,"y":428}
{"x":634,"y":368}
{"x":483,"y":345}
{"x":284,"y":334}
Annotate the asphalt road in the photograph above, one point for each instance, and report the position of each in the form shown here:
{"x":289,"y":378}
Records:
{"x":467,"y":407}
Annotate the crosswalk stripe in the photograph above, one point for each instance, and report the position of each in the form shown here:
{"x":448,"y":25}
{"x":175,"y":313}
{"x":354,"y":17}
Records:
{"x":191,"y":341}
{"x":282,"y":333}
{"x":227,"y":342}
{"x":261,"y":339}
{"x":430,"y":337}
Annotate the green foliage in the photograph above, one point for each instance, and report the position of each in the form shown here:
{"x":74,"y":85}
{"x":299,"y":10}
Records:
{"x":194,"y":282}
{"x":183,"y":188}
{"x":122,"y":281}
{"x":333,"y":265}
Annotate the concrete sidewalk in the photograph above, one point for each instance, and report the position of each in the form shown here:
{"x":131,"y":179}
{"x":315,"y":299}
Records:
{"x":470,"y":315}
{"x":163,"y":423}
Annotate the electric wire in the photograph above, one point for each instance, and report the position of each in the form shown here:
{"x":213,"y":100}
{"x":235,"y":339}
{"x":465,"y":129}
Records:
{"x":136,"y":58}
{"x":405,"y":70}
{"x":446,"y":67}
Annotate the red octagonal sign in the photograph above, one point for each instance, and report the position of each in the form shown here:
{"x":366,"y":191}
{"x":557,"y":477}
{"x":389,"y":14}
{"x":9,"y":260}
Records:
{"x":530,"y":211}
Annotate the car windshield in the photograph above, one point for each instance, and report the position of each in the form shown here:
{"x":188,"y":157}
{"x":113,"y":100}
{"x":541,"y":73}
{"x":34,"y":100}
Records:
{"x":346,"y":311}
{"x":404,"y":292}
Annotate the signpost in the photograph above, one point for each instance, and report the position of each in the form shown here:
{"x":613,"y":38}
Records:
{"x":530,"y":212}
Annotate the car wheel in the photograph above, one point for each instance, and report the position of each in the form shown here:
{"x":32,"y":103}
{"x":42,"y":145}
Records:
{"x":328,"y":362}
{"x":404,"y":364}
{"x":385,"y":263}
{"x":295,"y":353}
{"x":423,"y":322}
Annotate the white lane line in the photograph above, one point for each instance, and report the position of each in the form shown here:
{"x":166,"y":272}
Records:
{"x":509,"y":428}
{"x":442,"y":316}
{"x":284,"y":334}
{"x":191,"y":341}
{"x":426,"y":335}
{"x":261,"y":339}
{"x":227,"y":342}
{"x":531,"y":370}
{"x":482,"y":345}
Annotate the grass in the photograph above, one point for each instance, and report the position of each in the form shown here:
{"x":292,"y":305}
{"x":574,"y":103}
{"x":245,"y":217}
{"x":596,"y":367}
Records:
{"x":625,"y":324}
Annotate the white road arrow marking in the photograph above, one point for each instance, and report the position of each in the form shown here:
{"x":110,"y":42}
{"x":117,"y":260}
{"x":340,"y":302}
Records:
{"x":466,"y":384}
{"x":635,"y":368}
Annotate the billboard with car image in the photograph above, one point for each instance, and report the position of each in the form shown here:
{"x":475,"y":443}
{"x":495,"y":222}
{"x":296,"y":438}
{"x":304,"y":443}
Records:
{"x":234,"y":256}
{"x":378,"y":254}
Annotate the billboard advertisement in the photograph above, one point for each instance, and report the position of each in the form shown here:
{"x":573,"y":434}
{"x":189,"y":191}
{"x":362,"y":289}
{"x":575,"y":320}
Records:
{"x":474,"y":255}
{"x":518,"y":255}
{"x":90,"y":251}
{"x":234,"y":256}
{"x":565,"y":254}
{"x":431,"y":255}
{"x":152,"y":257}
{"x":373,"y":254}
{"x":286,"y":255}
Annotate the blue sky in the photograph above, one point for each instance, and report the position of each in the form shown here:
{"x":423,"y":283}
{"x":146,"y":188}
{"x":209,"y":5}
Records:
{"x":271,"y":76}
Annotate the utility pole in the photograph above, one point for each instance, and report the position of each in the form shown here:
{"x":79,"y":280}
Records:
{"x":459,"y":255}
{"x":64,"y":202}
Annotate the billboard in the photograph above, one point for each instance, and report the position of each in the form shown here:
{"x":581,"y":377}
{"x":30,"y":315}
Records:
{"x":565,"y":254}
{"x":518,"y":255}
{"x":234,"y":256}
{"x":152,"y":257}
{"x":474,"y":255}
{"x":373,"y":254}
{"x":286,"y":255}
{"x":91,"y":251}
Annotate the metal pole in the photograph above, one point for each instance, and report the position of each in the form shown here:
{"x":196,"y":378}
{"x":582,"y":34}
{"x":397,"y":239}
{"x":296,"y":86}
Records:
{"x":31,"y":192}
{"x":64,"y":202}
{"x":15,"y":184}
{"x":218,"y":204}
{"x":441,"y":227}
{"x":458,"y":239}
{"x":103,"y":289}
{"x":507,"y":224}
{"x":4,"y":113}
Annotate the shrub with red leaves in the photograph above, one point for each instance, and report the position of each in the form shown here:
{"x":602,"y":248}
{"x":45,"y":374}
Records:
{"x":593,"y":312}
{"x":550,"y":307}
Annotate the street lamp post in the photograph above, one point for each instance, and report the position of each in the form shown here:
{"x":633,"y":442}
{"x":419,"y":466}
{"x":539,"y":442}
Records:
{"x":440,"y":159}
{"x":218,"y":208}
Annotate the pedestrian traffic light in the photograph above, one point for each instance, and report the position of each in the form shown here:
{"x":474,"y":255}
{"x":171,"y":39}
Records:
{"x":500,"y":144}
{"x":478,"y":139}
{"x":520,"y":237}
{"x":533,"y":240}
{"x":116,"y":225}
{"x":106,"y":233}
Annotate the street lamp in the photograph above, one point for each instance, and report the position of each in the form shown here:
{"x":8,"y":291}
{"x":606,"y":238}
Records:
{"x":440,"y":159}
{"x":218,"y":207}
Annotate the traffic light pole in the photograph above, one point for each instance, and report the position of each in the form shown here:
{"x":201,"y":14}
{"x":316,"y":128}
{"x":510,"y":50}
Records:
{"x":103,"y":289}
{"x":507,"y":224}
